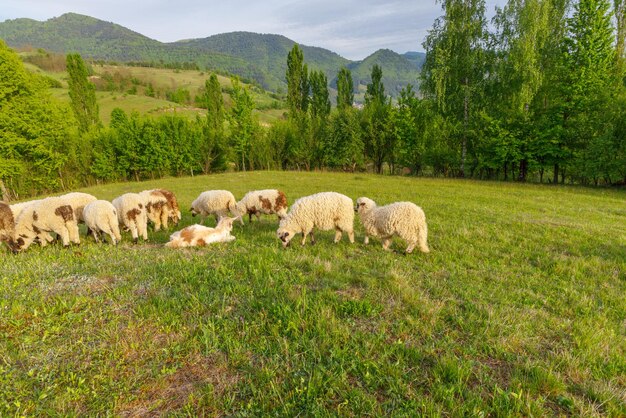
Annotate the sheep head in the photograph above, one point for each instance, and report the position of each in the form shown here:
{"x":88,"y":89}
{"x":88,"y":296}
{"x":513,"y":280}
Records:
{"x":363,"y":205}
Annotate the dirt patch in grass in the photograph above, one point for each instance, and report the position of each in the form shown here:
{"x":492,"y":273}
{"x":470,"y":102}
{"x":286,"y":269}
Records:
{"x":174,"y":391}
{"x":80,"y":284}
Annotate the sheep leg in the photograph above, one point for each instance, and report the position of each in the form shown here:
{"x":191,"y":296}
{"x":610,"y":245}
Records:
{"x":304,"y":234}
{"x":337,"y":235}
{"x":366,"y":240}
{"x":74,"y":233}
{"x":95,"y":235}
{"x":164,"y":219}
{"x":64,"y":233}
{"x":351,"y":237}
{"x":312,"y":238}
{"x":386,"y":243}
{"x":133,"y":232}
{"x":250,"y":217}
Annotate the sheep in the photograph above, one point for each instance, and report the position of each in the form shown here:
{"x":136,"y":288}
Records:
{"x":78,"y":201}
{"x":199,"y":235}
{"x":214,"y":202}
{"x":404,"y":219}
{"x":131,"y":213}
{"x":325,"y":211}
{"x":43,"y":237}
{"x":7,"y":222}
{"x":267,"y":202}
{"x":52,"y":214}
{"x":161,"y":206}
{"x":101,"y":216}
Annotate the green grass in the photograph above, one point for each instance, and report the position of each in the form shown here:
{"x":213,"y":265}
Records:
{"x":518,"y":310}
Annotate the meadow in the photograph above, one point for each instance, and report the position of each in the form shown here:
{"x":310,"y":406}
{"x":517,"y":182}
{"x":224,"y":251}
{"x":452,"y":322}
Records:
{"x":519,"y":310}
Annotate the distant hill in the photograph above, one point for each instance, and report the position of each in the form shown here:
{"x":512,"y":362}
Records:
{"x":416,"y":58}
{"x":259,"y":57}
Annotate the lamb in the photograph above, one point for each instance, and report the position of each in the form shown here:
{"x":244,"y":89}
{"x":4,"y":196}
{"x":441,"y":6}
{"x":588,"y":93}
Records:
{"x":404,"y":219}
{"x":52,"y":214}
{"x":325,"y":211}
{"x":259,"y":202}
{"x":78,"y":201}
{"x":199,"y":235}
{"x":7,"y":222}
{"x":131,"y":213}
{"x":101,"y":216}
{"x":214,"y":202}
{"x":161,"y":206}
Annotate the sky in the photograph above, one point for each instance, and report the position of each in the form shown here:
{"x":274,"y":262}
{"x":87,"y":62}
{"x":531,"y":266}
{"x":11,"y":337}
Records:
{"x":352,"y":28}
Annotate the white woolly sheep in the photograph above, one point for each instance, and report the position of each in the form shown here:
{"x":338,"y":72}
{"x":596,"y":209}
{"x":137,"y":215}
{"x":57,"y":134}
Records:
{"x":214,"y":202}
{"x":259,"y":202}
{"x":404,"y":219}
{"x":7,"y":222}
{"x":325,"y":211}
{"x":161,"y":206}
{"x":101,"y":216}
{"x":43,"y":237}
{"x":78,"y":201}
{"x":131,"y":213}
{"x":52,"y":214}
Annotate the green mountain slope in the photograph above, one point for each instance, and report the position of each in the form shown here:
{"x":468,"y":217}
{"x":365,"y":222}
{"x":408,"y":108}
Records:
{"x":258,"y":57}
{"x":397,"y":71}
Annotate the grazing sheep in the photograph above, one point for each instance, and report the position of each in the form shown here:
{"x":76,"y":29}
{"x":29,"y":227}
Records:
{"x":214,"y":202}
{"x":101,"y":216}
{"x":161,"y":206}
{"x":52,"y":214}
{"x":43,"y":237}
{"x":78,"y":201}
{"x":404,"y":219}
{"x":324,"y":211}
{"x":131,"y":213}
{"x":199,"y":235}
{"x":259,"y":202}
{"x":7,"y":222}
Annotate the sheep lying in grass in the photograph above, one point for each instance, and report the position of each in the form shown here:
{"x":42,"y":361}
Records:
{"x":404,"y":219}
{"x":52,"y":214}
{"x":7,"y":222}
{"x":131,"y":213}
{"x":214,"y":202}
{"x":161,"y":206}
{"x":259,"y":202}
{"x":324,"y":211}
{"x":199,"y":235}
{"x":101,"y":216}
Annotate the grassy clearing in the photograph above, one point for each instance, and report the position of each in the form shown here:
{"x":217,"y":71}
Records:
{"x":518,"y":310}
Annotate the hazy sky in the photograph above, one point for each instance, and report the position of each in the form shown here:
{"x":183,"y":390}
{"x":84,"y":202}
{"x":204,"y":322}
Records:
{"x":352,"y":28}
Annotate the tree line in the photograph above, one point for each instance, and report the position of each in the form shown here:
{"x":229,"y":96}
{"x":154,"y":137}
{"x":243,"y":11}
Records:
{"x":538,"y":95}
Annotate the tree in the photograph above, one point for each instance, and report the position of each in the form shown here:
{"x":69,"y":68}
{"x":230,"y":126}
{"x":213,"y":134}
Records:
{"x":454,"y":70}
{"x":320,"y":110}
{"x":243,"y":125}
{"x":378,"y":139}
{"x":82,"y":93}
{"x":345,"y":89}
{"x":297,"y":82}
{"x":212,"y":148}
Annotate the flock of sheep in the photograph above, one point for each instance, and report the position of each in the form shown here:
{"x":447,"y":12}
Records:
{"x":24,"y":223}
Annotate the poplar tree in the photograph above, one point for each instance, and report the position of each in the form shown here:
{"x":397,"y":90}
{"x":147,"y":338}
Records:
{"x":345,"y":89}
{"x":378,"y":140}
{"x":454,"y":70}
{"x":243,"y":125}
{"x":213,"y":132}
{"x":297,"y":82}
{"x":82,"y":93}
{"x":320,"y":110}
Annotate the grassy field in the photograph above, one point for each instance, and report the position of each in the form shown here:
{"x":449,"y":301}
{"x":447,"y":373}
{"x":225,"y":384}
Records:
{"x":161,"y":79}
{"x":519,"y":310}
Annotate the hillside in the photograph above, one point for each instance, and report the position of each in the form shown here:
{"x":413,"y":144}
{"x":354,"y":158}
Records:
{"x":258,"y":57}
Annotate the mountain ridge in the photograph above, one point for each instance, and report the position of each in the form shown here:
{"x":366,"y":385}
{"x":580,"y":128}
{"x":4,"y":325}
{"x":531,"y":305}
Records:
{"x":259,"y":57}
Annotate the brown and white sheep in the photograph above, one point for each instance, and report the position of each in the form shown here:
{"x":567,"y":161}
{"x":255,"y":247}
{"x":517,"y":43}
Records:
{"x":257,"y":202}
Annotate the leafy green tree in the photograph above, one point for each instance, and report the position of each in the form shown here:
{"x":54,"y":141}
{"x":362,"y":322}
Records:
{"x":82,"y":93}
{"x":343,"y":146}
{"x":297,"y":82}
{"x":212,"y":148}
{"x":345,"y":89}
{"x":378,"y":138}
{"x":36,"y":132}
{"x":320,"y":110}
{"x":455,"y":69}
{"x":244,"y":127}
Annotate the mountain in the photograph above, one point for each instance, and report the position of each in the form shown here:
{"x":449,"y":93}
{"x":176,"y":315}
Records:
{"x":397,"y":71}
{"x":416,"y":58}
{"x":259,"y":57}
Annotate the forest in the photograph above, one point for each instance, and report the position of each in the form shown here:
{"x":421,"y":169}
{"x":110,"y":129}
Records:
{"x":536,"y":94}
